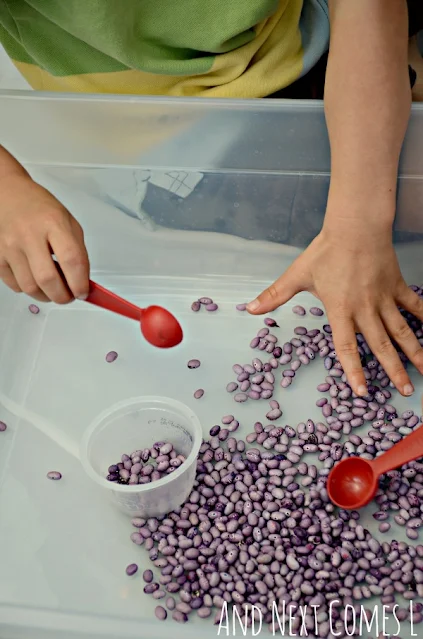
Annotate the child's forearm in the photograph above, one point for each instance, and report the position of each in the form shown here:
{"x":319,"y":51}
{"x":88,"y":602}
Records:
{"x":9,"y":165}
{"x":367,"y":105}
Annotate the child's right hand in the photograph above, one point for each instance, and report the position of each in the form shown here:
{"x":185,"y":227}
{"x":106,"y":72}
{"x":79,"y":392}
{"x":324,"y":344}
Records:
{"x":33,"y":227}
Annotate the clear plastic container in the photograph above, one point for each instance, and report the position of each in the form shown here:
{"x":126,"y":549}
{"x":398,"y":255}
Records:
{"x":137,"y":424}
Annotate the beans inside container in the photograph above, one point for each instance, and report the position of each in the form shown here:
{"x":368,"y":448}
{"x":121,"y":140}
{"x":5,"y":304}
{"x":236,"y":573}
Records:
{"x":145,"y":465}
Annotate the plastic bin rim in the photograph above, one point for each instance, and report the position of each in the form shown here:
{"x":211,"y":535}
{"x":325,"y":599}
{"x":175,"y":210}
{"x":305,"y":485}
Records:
{"x":260,"y":104}
{"x":134,"y":401}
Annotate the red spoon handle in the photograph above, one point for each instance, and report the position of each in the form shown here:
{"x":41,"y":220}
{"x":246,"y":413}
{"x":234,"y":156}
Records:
{"x":100,"y":296}
{"x":408,"y":449}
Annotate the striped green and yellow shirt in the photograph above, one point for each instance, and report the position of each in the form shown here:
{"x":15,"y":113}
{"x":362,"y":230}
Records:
{"x":211,"y":48}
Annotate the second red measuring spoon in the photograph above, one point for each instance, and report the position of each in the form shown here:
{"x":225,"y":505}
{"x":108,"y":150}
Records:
{"x":159,"y":327}
{"x":353,"y":482}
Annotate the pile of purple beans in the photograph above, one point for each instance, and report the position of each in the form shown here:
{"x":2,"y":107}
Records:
{"x":145,"y":466}
{"x":259,"y":528}
{"x":257,"y":380}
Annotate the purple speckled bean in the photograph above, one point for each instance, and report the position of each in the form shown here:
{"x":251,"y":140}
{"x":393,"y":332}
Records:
{"x":327,"y":410}
{"x":180,"y":617}
{"x":170,"y":603}
{"x":147,"y":576}
{"x":274,"y":414}
{"x":160,"y":613}
{"x":300,"y":330}
{"x":252,"y":394}
{"x":33,"y":308}
{"x":150,"y":588}
{"x":131,"y":569}
{"x":257,"y":364}
{"x":54,"y":475}
{"x":299,"y":310}
{"x":323,"y":388}
{"x":412,"y":533}
{"x":263,"y":332}
{"x":315,"y":310}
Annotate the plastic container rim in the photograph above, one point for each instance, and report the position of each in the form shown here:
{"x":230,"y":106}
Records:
{"x":133,"y":401}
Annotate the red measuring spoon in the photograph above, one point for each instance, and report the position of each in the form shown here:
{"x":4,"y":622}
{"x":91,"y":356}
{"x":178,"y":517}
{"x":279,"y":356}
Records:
{"x":158,"y":326}
{"x":353,"y":482}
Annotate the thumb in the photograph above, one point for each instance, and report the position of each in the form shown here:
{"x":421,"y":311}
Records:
{"x":277,"y":294}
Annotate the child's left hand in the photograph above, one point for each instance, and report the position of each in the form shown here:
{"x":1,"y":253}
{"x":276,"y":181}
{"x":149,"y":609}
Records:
{"x":356,"y":275}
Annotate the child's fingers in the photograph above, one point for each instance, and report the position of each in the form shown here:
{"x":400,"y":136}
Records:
{"x":8,"y":278}
{"x":345,"y":341}
{"x":46,"y":275}
{"x":24,"y":276}
{"x":71,"y":254}
{"x":384,"y":351}
{"x":277,"y":294}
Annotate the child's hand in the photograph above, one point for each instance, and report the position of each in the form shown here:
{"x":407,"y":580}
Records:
{"x":33,"y":226}
{"x":357,"y":277}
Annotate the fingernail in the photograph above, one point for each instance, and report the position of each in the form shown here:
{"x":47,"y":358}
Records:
{"x":83,"y":297}
{"x":408,"y":389}
{"x":362,"y":390}
{"x":253,"y":306}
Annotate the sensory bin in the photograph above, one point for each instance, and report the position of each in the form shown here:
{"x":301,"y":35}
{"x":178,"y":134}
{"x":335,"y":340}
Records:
{"x":66,"y":554}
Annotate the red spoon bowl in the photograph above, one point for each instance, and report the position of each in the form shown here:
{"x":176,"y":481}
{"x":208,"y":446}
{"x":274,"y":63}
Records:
{"x":160,"y":327}
{"x":353,"y":482}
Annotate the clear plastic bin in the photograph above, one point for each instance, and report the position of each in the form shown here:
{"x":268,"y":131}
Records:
{"x":253,"y":195}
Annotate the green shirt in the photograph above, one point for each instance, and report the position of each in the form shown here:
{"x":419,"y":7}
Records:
{"x":215,"y":48}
